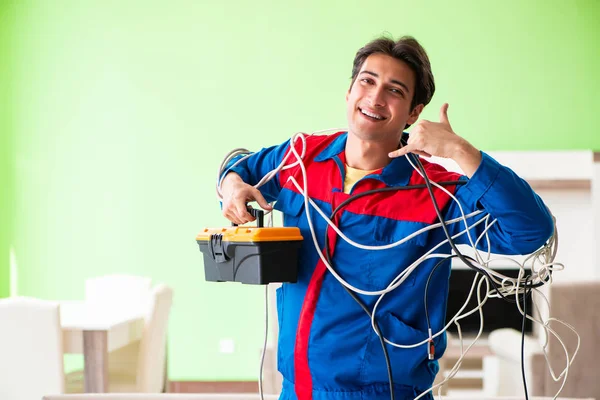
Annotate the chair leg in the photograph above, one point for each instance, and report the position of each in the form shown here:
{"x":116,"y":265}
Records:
{"x":166,"y":383}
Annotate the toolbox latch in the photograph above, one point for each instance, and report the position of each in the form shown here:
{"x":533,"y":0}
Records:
{"x":217,"y":248}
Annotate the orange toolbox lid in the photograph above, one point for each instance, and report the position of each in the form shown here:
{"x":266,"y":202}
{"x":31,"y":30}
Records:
{"x":251,"y":234}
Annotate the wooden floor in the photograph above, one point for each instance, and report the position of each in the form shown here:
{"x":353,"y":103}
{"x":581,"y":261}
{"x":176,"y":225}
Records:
{"x":213,"y":387}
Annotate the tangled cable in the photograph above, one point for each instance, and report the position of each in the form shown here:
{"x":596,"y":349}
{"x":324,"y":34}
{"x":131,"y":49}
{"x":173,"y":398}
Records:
{"x":497,"y":285}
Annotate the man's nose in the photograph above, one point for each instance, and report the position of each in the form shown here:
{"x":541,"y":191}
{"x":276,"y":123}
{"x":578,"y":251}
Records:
{"x":376,"y":97}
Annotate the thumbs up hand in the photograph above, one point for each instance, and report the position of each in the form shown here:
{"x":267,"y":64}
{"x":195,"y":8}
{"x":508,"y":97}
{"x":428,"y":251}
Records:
{"x":429,"y":138}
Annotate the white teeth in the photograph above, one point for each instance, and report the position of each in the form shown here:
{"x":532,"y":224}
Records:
{"x":371,"y":114}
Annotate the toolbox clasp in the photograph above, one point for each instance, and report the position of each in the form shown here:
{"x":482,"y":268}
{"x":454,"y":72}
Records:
{"x":218,"y":248}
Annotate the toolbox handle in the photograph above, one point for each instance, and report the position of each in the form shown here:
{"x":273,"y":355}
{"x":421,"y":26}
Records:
{"x":256,"y":213}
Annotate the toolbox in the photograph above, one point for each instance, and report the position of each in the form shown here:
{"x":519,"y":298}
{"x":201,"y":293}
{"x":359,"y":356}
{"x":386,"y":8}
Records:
{"x":253,"y":255}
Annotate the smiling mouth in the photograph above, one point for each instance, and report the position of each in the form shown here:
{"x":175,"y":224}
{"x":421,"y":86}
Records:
{"x":370,"y":115}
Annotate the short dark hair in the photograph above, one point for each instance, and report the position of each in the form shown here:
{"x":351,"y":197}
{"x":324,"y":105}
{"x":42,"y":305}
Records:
{"x":405,"y":49}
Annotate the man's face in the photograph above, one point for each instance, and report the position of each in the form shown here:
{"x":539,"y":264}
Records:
{"x":378,"y":103}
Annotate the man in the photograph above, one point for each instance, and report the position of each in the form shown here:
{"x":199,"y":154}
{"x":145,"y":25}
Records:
{"x":327,"y":347}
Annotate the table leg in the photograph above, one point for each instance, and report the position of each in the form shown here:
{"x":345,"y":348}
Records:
{"x":95,"y":355}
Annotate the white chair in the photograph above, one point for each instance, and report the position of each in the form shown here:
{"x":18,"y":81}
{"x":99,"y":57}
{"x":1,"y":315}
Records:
{"x":139,"y":367}
{"x":151,"y":371}
{"x":31,"y":350}
{"x":118,"y":290}
{"x":576,"y":303}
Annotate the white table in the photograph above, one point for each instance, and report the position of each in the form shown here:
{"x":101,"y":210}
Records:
{"x":95,"y":330}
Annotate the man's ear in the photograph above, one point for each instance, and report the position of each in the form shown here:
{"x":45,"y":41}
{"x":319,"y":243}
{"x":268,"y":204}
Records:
{"x":414,"y":114}
{"x":350,"y":89}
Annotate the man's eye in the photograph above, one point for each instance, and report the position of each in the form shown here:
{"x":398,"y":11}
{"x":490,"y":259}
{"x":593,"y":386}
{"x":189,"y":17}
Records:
{"x":397,"y":91}
{"x":366,"y":80}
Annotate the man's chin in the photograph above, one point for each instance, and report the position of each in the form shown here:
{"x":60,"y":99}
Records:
{"x":374,"y":135}
{"x":369,"y":135}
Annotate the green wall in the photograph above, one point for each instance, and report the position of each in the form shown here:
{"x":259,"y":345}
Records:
{"x":123,"y":110}
{"x":6,"y":151}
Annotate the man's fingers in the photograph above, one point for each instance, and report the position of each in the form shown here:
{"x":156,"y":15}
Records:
{"x":402,"y":151}
{"x":444,"y":114}
{"x":397,"y":153}
{"x":409,"y":148}
{"x":235,"y":207}
{"x":231,"y":216}
{"x":242,"y":214}
{"x":261,"y":200}
{"x":421,"y":153}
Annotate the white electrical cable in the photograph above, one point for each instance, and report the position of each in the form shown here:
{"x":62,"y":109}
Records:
{"x":317,"y":248}
{"x":268,"y":222}
{"x":458,"y":363}
{"x":271,"y":174}
{"x":545,"y":256}
{"x":304,"y":192}
{"x":264,"y":349}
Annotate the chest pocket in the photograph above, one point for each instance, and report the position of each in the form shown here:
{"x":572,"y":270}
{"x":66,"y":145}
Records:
{"x":291,"y":205}
{"x":387,"y":231}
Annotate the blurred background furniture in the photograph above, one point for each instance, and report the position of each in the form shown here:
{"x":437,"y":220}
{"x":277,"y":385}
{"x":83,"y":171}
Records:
{"x":576,"y":303}
{"x":139,"y":365}
{"x":95,"y":331}
{"x":118,"y":291}
{"x":31,"y":350}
